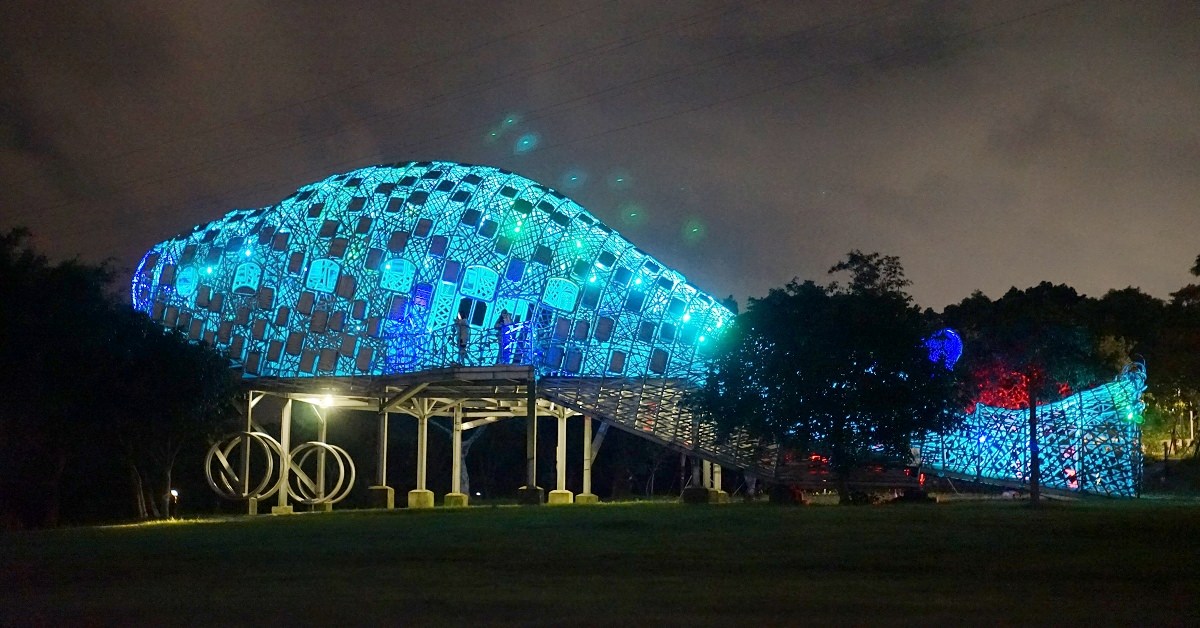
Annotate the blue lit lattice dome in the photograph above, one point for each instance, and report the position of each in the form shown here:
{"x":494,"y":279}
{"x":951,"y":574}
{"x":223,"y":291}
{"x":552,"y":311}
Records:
{"x":365,"y":273}
{"x":945,"y":347}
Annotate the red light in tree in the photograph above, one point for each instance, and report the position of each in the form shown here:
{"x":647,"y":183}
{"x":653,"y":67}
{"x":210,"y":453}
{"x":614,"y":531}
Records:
{"x":999,"y":386}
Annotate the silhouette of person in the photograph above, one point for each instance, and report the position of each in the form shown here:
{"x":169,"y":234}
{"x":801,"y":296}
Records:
{"x":462,"y":334}
{"x":504,"y":335}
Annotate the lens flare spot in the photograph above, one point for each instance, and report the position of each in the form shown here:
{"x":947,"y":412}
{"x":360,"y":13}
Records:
{"x":526,"y":143}
{"x":693,"y":231}
{"x":620,"y":180}
{"x":632,"y":214}
{"x":573,"y":179}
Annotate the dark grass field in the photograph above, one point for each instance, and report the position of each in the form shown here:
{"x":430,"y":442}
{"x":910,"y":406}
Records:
{"x":962,"y":563}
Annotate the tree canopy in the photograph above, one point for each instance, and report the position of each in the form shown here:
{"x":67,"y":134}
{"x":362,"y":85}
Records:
{"x":92,"y":387}
{"x":1029,"y":343}
{"x":839,"y":370}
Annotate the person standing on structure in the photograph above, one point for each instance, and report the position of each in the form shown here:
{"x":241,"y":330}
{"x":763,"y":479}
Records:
{"x":462,"y":335}
{"x":504,"y":335}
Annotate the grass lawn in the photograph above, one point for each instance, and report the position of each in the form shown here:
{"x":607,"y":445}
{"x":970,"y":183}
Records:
{"x":1101,"y":562}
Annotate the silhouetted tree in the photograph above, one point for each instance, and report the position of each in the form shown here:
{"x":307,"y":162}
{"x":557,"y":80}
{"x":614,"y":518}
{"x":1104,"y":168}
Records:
{"x":1038,"y":341}
{"x":840,"y":370}
{"x":84,"y":373}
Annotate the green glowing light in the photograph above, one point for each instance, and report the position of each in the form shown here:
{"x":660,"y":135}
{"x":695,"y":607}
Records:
{"x":693,"y":231}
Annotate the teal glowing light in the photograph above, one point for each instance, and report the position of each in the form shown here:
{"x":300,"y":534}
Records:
{"x":1089,"y":442}
{"x":526,"y":143}
{"x":573,"y":179}
{"x":364,"y":273}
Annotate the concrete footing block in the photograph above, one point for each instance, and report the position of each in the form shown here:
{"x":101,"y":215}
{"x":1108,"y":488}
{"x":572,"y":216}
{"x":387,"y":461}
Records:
{"x":717,"y":496}
{"x":455,"y":500}
{"x":281,"y":510}
{"x":383,"y":497}
{"x":531,"y":496}
{"x":322,"y":507}
{"x":419,"y":498}
{"x":561,"y":497}
{"x":695,"y":495}
{"x":252,"y":506}
{"x":587,"y":498}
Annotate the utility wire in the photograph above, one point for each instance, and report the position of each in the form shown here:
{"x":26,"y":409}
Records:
{"x":828,"y":69}
{"x":342,"y":89}
{"x":434,"y":101}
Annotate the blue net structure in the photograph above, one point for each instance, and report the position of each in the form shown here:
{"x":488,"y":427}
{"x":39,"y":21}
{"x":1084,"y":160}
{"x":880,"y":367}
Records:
{"x":415,"y":267}
{"x":398,"y":268}
{"x":389,"y":272}
{"x":1088,"y":443}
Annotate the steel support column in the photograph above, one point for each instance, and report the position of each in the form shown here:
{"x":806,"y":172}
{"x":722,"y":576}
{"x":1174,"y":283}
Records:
{"x":456,"y":497}
{"x":420,"y":497}
{"x":422,"y":449}
{"x":560,"y":462}
{"x":456,"y":452}
{"x":560,"y":495}
{"x":381,"y":475}
{"x":382,"y":495}
{"x":589,"y":456}
{"x":531,"y":493}
{"x":285,"y":463}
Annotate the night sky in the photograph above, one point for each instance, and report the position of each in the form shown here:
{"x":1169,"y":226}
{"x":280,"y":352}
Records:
{"x":987,"y":144}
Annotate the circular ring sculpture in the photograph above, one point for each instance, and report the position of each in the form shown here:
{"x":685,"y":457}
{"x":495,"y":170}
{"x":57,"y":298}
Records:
{"x":305,"y":489}
{"x":220,"y":452}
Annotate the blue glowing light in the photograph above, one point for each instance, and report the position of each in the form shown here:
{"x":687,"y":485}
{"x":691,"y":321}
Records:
{"x":365,"y":272}
{"x":945,"y":347}
{"x":1095,"y":430}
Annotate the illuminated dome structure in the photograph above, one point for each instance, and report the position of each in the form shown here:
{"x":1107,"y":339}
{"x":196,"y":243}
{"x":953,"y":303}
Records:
{"x":477,"y":279}
{"x":365,"y":273}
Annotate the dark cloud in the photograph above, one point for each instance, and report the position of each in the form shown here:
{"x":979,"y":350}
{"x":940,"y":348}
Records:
{"x":987,"y":145}
{"x":1062,"y":123}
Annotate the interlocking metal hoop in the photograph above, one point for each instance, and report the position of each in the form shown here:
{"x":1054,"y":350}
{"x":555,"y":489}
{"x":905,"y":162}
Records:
{"x":308,"y":490}
{"x":229,"y":478}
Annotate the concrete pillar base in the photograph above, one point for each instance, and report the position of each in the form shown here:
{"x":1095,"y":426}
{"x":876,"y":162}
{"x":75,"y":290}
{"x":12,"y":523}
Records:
{"x":587,"y":498}
{"x":717,"y":496}
{"x":321,"y":507}
{"x":383,"y":497}
{"x":281,"y":510}
{"x":527,"y":496}
{"x":455,"y":500}
{"x":252,"y":506}
{"x":695,"y":495}
{"x":561,"y":497}
{"x":420,"y":499}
